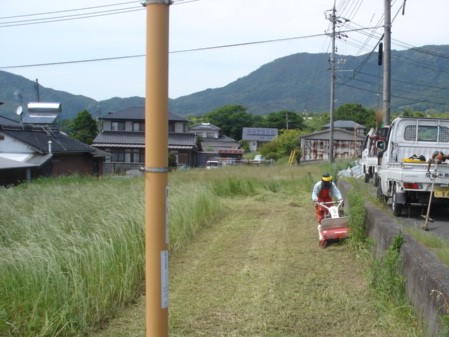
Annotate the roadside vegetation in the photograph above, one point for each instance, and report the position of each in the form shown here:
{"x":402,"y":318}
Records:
{"x":244,"y":259}
{"x":431,"y":241}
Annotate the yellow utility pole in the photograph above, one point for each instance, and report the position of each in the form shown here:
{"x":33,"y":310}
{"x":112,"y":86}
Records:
{"x":156,"y":168}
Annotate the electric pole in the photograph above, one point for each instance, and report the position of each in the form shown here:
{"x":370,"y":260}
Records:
{"x":332,"y":17}
{"x":156,"y":168}
{"x":387,"y":62}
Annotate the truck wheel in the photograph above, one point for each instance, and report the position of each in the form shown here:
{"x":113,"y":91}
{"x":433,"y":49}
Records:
{"x":380,"y":194}
{"x":395,"y":206}
{"x":375,"y":179}
{"x":366,"y":177}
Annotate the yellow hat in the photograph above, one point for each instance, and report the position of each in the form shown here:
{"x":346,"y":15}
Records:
{"x":326,"y":177}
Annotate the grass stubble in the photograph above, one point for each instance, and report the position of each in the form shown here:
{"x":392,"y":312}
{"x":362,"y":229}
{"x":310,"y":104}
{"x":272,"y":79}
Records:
{"x":244,"y":260}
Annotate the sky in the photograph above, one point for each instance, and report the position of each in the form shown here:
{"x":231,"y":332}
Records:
{"x":97,"y":47}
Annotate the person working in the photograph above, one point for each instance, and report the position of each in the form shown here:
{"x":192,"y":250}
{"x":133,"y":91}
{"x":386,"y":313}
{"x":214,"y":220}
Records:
{"x":323,"y":191}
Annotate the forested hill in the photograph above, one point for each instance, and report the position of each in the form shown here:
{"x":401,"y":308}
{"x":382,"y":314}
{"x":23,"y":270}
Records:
{"x":298,"y":82}
{"x":301,"y":82}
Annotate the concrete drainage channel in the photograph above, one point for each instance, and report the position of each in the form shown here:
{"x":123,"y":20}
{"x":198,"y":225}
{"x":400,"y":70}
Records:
{"x":427,"y":279}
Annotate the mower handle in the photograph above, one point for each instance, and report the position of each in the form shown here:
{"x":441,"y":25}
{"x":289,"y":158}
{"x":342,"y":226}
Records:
{"x":337,"y":203}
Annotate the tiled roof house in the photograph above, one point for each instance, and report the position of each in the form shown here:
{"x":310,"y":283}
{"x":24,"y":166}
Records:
{"x":123,"y":137}
{"x":27,"y":152}
{"x":35,"y":147}
{"x":216,"y":146}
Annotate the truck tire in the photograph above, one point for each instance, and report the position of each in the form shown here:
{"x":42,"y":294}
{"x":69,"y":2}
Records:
{"x":367,"y":177}
{"x":395,"y":206}
{"x":375,"y":179}
{"x":379,"y":194}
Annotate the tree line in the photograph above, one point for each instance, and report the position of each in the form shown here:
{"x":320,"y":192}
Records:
{"x":231,"y":119}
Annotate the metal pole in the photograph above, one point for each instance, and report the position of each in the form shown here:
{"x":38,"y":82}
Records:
{"x":156,"y":169}
{"x":432,"y":176}
{"x":387,"y":63}
{"x":332,"y":93}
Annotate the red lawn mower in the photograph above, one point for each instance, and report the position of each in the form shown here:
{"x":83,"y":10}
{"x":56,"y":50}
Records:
{"x":333,"y":226}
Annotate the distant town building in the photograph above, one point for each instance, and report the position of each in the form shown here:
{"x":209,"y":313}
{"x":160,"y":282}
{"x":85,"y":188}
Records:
{"x":256,"y":137}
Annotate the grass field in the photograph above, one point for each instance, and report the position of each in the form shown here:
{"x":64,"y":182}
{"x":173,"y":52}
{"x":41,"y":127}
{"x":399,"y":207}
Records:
{"x":244,"y":260}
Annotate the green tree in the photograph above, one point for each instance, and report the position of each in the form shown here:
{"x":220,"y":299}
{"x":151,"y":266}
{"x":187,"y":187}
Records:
{"x":282,"y":146}
{"x":284,"y":120}
{"x":245,"y":145}
{"x":83,"y":127}
{"x":357,"y":113}
{"x":316,"y":122}
{"x":195,"y":120}
{"x":231,"y":119}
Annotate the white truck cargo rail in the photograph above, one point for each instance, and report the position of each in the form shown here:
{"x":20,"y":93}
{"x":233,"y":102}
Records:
{"x":405,"y":174}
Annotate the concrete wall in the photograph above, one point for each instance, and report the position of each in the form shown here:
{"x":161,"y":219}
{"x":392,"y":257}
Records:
{"x":427,"y":279}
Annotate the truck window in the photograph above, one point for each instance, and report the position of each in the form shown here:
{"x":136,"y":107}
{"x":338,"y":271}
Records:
{"x":427,"y":133}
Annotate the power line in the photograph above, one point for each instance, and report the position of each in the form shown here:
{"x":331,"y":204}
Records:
{"x":64,"y":11}
{"x":86,"y":15}
{"x":171,"y":52}
{"x":68,"y":17}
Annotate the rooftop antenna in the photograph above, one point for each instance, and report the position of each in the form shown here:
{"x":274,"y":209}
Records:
{"x":37,"y":90}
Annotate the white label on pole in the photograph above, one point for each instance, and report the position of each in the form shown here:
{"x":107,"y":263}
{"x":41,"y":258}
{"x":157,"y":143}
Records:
{"x":166,"y":216}
{"x":164,"y":279}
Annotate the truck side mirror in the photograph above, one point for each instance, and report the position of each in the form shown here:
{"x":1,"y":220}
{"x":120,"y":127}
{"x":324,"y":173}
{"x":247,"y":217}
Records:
{"x":380,"y":144}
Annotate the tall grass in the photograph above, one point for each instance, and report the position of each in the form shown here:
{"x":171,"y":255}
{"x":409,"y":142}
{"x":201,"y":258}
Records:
{"x":192,"y":206}
{"x":386,"y":282}
{"x":72,"y":249}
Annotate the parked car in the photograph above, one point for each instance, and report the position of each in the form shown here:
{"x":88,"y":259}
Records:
{"x":258,"y":159}
{"x":212,"y":164}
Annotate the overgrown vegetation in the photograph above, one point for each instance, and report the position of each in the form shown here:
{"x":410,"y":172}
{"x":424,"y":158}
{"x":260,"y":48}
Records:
{"x":71,"y":249}
{"x":386,"y":281}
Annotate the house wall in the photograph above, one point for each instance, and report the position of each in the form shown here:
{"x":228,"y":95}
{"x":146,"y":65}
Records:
{"x":10,"y":145}
{"x":12,"y":176}
{"x":180,"y":127}
{"x":66,"y":165}
{"x":252,"y":146}
{"x":106,"y":125}
{"x":318,"y":149}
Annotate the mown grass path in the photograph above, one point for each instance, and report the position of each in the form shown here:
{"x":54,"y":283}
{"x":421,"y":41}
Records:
{"x":260,"y":272}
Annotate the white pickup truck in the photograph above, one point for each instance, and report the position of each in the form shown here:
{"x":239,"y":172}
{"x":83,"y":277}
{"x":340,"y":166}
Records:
{"x":408,"y":170}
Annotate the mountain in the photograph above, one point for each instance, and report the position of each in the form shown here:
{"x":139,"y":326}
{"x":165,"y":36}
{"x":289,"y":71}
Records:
{"x":298,"y":82}
{"x":301,"y":82}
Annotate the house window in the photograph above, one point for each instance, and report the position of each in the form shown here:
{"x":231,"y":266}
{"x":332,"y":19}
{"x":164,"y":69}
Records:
{"x":138,"y":126}
{"x":171,"y":127}
{"x":138,"y":156}
{"x":117,"y":126}
{"x":118,"y":155}
{"x":210,"y":134}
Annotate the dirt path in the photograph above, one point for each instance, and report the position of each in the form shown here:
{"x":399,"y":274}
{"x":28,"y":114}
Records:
{"x":260,"y":272}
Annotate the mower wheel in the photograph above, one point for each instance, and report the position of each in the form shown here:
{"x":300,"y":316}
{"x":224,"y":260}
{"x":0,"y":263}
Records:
{"x":323,"y":243}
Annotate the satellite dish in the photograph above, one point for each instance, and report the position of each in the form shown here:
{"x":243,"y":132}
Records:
{"x":19,"y":110}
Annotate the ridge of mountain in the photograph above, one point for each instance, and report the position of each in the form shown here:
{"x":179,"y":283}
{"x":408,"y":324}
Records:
{"x":298,"y":82}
